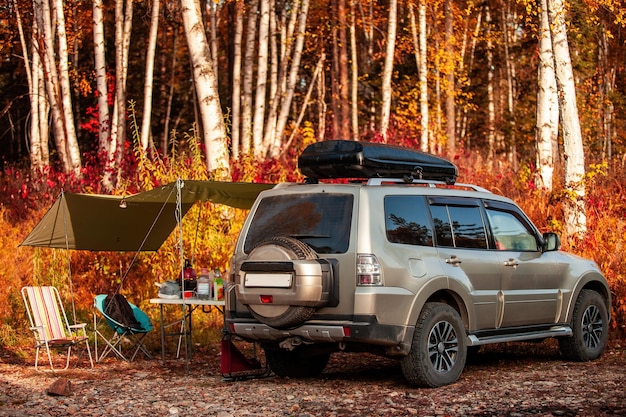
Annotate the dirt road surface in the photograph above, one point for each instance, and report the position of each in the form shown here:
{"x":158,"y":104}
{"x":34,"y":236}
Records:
{"x":511,"y":380}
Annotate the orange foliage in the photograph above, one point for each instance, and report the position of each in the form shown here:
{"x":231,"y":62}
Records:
{"x":210,"y":231}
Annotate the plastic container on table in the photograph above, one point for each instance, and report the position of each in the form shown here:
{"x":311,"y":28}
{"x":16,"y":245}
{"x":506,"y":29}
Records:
{"x":204,"y":285}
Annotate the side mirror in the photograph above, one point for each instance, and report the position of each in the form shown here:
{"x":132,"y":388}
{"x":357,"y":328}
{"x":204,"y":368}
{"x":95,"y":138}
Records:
{"x":551,"y":242}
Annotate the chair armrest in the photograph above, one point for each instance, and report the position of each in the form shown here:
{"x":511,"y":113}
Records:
{"x":78,"y":326}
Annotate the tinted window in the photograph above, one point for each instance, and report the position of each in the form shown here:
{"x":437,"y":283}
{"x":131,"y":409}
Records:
{"x":407,"y":220}
{"x":320,"y":220}
{"x":510,"y":232}
{"x":459,"y":226}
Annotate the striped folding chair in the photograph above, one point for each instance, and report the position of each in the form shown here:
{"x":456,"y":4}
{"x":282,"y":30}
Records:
{"x":49,"y":324}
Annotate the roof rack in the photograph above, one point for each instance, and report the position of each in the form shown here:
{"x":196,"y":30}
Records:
{"x":426,"y":183}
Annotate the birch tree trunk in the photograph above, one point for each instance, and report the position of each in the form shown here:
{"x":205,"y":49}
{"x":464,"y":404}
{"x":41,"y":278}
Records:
{"x":236,"y":80}
{"x":491,"y":111}
{"x":388,"y":68}
{"x":146,"y":132}
{"x":354,"y":68}
{"x":450,"y":79}
{"x":286,"y":101}
{"x":213,"y":129}
{"x":344,"y":80}
{"x":425,"y":142}
{"x":547,"y":104}
{"x":57,"y":84}
{"x":102,"y":89}
{"x":123,"y":25}
{"x":66,"y":93}
{"x":510,"y":80}
{"x":248,"y":76}
{"x":575,"y":216}
{"x":261,"y":84}
{"x":278,"y":70}
{"x":214,"y":47}
{"x":38,"y":153}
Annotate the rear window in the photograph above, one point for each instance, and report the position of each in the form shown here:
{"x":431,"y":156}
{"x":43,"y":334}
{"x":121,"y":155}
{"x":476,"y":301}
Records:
{"x":320,"y":220}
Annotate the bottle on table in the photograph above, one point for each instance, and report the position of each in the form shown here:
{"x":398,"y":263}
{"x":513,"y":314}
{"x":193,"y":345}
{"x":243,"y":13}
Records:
{"x":218,"y":286}
{"x":203,"y":288}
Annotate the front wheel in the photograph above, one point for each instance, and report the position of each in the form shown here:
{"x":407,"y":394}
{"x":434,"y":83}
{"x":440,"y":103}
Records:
{"x":590,"y":326}
{"x":438,"y":352}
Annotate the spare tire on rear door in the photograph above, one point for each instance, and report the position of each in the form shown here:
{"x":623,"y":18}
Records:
{"x":283,"y":282}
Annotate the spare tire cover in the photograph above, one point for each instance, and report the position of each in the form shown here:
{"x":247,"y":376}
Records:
{"x":276,"y":249}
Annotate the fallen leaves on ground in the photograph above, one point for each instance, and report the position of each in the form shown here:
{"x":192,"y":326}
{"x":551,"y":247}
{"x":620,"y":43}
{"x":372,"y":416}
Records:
{"x":511,"y":380}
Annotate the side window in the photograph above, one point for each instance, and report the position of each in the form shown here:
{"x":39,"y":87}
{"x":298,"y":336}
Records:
{"x":407,"y":220}
{"x":510,"y":232}
{"x":459,"y":226}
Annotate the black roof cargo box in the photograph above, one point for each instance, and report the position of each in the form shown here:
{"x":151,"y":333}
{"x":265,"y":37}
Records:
{"x":350,"y":159}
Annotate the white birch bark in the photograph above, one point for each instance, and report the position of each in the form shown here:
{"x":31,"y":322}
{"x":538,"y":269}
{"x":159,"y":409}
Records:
{"x":388,"y":68}
{"x":510,"y":79}
{"x":491,"y":110}
{"x":450,"y":78}
{"x":38,"y":161}
{"x":547,"y":104}
{"x":212,"y":6}
{"x":71,"y":141}
{"x":354,"y":68}
{"x":104,"y":122}
{"x":42,"y":13}
{"x":575,"y":216}
{"x":261,"y":84}
{"x":237,"y":80}
{"x":275,"y":78}
{"x":146,"y":133}
{"x":291,"y":80}
{"x":213,"y":128}
{"x":248,"y":78}
{"x":421,"y":52}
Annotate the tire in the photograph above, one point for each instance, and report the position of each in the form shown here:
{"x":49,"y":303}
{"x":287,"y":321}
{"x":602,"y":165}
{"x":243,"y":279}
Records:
{"x":283,"y":317}
{"x":438,"y":351}
{"x":590,"y":326}
{"x":296,"y":363}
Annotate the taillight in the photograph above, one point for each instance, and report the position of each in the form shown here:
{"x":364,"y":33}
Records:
{"x":266,"y":299}
{"x":368,"y":270}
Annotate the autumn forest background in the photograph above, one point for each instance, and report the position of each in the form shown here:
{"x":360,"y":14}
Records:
{"x":122,"y":96}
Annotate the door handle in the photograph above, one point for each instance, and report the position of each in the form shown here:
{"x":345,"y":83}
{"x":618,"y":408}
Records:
{"x":453,"y":260}
{"x":511,"y":262}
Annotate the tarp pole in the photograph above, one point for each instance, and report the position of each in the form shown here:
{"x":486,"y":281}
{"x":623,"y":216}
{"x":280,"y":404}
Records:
{"x":69,"y":259}
{"x":179,"y":221}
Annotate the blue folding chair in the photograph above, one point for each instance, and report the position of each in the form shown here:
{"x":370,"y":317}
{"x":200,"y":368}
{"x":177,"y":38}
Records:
{"x":120,"y":331}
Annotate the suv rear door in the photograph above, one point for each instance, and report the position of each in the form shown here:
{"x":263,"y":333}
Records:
{"x":462,"y":244}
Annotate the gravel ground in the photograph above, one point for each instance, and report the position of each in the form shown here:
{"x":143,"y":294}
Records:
{"x":512,"y":380}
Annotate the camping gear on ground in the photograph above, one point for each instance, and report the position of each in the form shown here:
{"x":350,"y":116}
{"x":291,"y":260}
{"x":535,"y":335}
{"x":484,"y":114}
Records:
{"x":49,"y":324}
{"x":350,"y":159}
{"x":132,"y":324}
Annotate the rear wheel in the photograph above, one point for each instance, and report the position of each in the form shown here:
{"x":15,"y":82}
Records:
{"x":281,"y":248}
{"x":438,"y":353}
{"x":590,"y":326}
{"x":297,"y":363}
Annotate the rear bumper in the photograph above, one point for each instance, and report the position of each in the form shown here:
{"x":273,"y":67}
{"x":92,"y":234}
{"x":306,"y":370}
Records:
{"x":394,"y":339}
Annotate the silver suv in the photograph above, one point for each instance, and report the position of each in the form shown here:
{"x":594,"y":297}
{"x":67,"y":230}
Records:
{"x":407,"y":266}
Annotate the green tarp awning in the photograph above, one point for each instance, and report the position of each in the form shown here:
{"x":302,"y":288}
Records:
{"x":97,"y":222}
